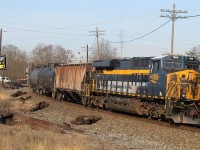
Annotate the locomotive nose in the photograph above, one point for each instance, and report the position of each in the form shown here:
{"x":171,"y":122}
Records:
{"x":190,"y":85}
{"x":183,"y":85}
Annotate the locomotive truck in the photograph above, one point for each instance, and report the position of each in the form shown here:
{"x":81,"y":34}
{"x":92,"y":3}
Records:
{"x":162,"y":87}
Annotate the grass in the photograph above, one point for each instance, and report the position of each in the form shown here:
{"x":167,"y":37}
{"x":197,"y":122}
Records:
{"x":4,"y":96}
{"x":22,"y":137}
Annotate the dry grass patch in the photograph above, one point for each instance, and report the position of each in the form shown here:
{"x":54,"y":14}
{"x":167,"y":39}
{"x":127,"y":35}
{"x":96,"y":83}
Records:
{"x":4,"y":96}
{"x":24,"y":138}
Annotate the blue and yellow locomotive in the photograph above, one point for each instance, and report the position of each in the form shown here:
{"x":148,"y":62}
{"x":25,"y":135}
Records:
{"x":158,"y":87}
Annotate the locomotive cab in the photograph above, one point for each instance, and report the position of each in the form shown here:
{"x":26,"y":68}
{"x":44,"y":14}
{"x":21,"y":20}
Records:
{"x":178,"y":80}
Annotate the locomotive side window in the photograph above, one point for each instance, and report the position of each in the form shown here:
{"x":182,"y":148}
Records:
{"x":156,"y":65}
{"x":192,"y":66}
{"x":145,"y":63}
{"x":136,"y":63}
{"x":170,"y":64}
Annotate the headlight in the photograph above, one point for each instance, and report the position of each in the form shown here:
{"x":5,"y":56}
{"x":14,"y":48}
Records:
{"x":183,"y":95}
{"x":190,"y":75}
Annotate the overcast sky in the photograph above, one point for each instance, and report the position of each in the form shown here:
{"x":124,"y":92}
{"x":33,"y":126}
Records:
{"x":68,"y":22}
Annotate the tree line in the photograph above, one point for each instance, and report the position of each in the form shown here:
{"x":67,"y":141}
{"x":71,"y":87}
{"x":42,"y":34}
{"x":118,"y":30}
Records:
{"x":19,"y":61}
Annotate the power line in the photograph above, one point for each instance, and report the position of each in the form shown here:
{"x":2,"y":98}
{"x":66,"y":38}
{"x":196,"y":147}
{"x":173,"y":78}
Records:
{"x":93,"y":43}
{"x":140,"y":36}
{"x":194,"y":16}
{"x":86,"y":25}
{"x":39,"y":31}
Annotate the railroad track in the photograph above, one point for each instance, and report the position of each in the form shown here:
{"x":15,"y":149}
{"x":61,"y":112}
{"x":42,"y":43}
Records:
{"x":190,"y":128}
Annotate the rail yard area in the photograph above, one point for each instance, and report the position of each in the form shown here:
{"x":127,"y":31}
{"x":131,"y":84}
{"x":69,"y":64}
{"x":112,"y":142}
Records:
{"x":60,"y":125}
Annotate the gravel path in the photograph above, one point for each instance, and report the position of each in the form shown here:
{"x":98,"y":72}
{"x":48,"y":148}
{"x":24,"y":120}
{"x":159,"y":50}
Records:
{"x":117,"y":131}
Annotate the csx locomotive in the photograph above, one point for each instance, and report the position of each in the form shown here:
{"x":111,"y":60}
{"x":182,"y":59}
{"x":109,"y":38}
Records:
{"x":163,"y":87}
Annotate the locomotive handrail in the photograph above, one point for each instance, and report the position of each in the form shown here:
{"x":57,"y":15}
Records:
{"x":172,"y":87}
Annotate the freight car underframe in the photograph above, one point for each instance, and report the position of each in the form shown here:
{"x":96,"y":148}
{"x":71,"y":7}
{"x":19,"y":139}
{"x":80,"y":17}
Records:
{"x":152,"y":108}
{"x":182,"y":111}
{"x":135,"y":105}
{"x":67,"y":94}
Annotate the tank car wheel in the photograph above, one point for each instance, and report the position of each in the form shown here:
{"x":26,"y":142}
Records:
{"x":41,"y":92}
{"x":53,"y":94}
{"x":37,"y":90}
{"x":59,"y":96}
{"x":33,"y":89}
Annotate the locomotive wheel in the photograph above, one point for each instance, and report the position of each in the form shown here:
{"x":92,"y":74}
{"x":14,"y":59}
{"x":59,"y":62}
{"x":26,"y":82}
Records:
{"x":85,"y":101}
{"x":172,"y":123}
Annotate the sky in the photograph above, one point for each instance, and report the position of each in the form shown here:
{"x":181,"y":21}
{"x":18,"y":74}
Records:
{"x":67,"y":23}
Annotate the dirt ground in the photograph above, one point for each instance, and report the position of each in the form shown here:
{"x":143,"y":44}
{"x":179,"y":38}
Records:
{"x":112,"y":131}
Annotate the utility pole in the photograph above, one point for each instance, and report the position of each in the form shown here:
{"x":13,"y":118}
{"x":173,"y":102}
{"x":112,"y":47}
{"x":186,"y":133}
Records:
{"x":1,"y":41}
{"x":173,"y":17}
{"x":2,"y":82}
{"x":121,"y":41}
{"x":97,"y":33}
{"x":87,"y":52}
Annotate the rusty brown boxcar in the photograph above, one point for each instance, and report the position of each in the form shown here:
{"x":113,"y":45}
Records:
{"x":69,"y":81}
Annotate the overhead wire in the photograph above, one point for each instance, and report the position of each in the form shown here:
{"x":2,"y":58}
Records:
{"x":93,"y":43}
{"x":140,"y":36}
{"x":193,"y":16}
{"x":39,"y":31}
{"x":86,"y":25}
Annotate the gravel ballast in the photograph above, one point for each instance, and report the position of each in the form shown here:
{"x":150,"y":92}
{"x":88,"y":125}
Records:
{"x":117,"y":131}
{"x":128,"y":133}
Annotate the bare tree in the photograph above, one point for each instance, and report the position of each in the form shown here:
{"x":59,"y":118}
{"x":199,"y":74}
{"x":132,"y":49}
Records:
{"x":62,"y":55}
{"x":194,"y":52}
{"x":44,"y":54}
{"x":17,"y":62}
{"x":106,"y":51}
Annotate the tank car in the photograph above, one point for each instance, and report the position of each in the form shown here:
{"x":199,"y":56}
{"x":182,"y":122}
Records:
{"x":42,"y":79}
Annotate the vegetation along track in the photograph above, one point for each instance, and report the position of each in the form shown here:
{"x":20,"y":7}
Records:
{"x":191,"y":128}
{"x":41,"y":124}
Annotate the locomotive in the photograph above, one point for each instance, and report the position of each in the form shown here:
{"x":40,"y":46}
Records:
{"x":162,"y":87}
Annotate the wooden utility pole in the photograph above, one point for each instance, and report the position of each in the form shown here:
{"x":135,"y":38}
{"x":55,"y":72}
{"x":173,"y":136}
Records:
{"x":87,"y":53}
{"x":1,"y":41}
{"x":121,"y":41}
{"x":173,"y":17}
{"x":87,"y":50}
